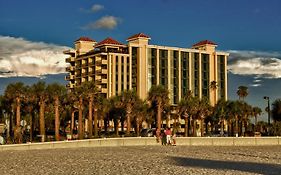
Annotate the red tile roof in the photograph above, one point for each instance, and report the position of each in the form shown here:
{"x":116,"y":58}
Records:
{"x":139,"y":35}
{"x":204,"y":43}
{"x":109,"y":41}
{"x":83,"y":38}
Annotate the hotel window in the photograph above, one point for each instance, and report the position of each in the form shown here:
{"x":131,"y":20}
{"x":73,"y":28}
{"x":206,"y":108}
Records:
{"x":205,"y":74}
{"x":152,"y":52}
{"x":196,"y":73}
{"x":128,"y":73}
{"x":175,"y":77}
{"x":164,"y":67}
{"x":184,"y":73}
{"x":221,"y":76}
{"x":134,"y":68}
{"x":122,"y":74}
{"x":116,"y":75}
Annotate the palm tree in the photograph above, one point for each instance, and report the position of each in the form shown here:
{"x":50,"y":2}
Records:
{"x":78,"y":95}
{"x":242,"y":92}
{"x":256,"y":111}
{"x":140,"y":112}
{"x":234,"y":108}
{"x":41,"y":93}
{"x":220,"y":111}
{"x":91,"y":92}
{"x":129,"y":100}
{"x":116,"y":112}
{"x":14,"y":92}
{"x":160,"y":96}
{"x":183,"y":108}
{"x":213,"y":87}
{"x":30,"y":106}
{"x":103,"y":106}
{"x":188,"y":108}
{"x":204,"y":110}
{"x":276,"y":110}
{"x":246,"y":112}
{"x":57,"y":93}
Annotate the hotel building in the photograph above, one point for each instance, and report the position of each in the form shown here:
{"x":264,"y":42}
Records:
{"x":117,"y":67}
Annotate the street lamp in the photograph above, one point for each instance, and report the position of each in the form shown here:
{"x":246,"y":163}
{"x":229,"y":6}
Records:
{"x":268,"y":108}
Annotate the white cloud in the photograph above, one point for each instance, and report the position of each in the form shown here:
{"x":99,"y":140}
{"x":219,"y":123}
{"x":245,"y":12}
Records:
{"x":106,"y":22}
{"x":97,"y":7}
{"x":257,"y":81}
{"x":255,"y":85}
{"x":261,"y":64}
{"x":20,"y":57}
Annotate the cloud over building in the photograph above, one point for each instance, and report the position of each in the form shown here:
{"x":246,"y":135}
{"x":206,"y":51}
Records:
{"x":21,"y":57}
{"x":97,"y":7}
{"x":256,"y":63}
{"x":106,"y":22}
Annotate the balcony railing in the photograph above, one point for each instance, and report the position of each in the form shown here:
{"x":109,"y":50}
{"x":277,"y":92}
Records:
{"x":85,"y":74}
{"x":70,"y":59}
{"x":70,"y":85}
{"x":69,"y":77}
{"x":69,"y":69}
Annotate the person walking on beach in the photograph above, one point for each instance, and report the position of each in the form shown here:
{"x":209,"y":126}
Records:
{"x":168,"y":134}
{"x":163,"y":138}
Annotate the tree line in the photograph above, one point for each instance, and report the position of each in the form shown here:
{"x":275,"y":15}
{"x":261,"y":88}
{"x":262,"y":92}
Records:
{"x":49,"y":107}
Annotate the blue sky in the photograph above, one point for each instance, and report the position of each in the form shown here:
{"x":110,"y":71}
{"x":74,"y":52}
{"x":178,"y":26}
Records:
{"x":34,"y":32}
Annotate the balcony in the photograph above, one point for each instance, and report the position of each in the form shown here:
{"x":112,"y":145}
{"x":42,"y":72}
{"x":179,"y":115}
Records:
{"x":69,"y":52}
{"x":91,"y":72}
{"x":78,"y":75}
{"x":70,"y":59}
{"x":70,"y":85}
{"x":91,"y":64}
{"x":104,"y":62}
{"x":101,"y":71}
{"x":104,"y":81}
{"x":84,"y":65}
{"x":85,"y":74}
{"x":69,"y":77}
{"x":69,"y":69}
{"x":104,"y":90}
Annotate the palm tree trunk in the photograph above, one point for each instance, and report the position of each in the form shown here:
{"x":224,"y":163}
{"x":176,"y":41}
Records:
{"x":159,"y":115}
{"x":57,"y":121}
{"x":72,"y":123}
{"x":186,"y":126}
{"x":116,"y":126}
{"x":42,"y":120}
{"x":236,"y":125}
{"x":194,"y":128}
{"x":18,"y":111}
{"x":222,"y":125}
{"x":90,"y":117}
{"x":256,"y":121}
{"x":80,"y":119}
{"x":105,"y":124}
{"x":128,"y":113}
{"x":138,"y":126}
{"x":31,"y":128}
{"x":202,"y":128}
{"x":95,"y":122}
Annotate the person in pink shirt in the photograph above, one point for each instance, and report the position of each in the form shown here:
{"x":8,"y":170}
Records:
{"x":168,"y":134}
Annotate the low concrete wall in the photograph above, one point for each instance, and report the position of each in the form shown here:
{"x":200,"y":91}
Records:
{"x":143,"y":141}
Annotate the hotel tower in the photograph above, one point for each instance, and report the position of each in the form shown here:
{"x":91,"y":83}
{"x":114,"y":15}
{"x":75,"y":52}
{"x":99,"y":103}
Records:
{"x":137,"y":65}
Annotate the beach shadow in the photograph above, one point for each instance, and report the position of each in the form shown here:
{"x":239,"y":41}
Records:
{"x":251,"y":167}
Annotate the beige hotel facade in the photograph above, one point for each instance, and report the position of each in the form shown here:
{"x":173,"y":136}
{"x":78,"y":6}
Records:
{"x":117,"y":67}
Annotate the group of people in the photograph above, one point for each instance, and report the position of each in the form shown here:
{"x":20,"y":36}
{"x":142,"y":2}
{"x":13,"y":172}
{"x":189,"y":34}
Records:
{"x":166,"y":136}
